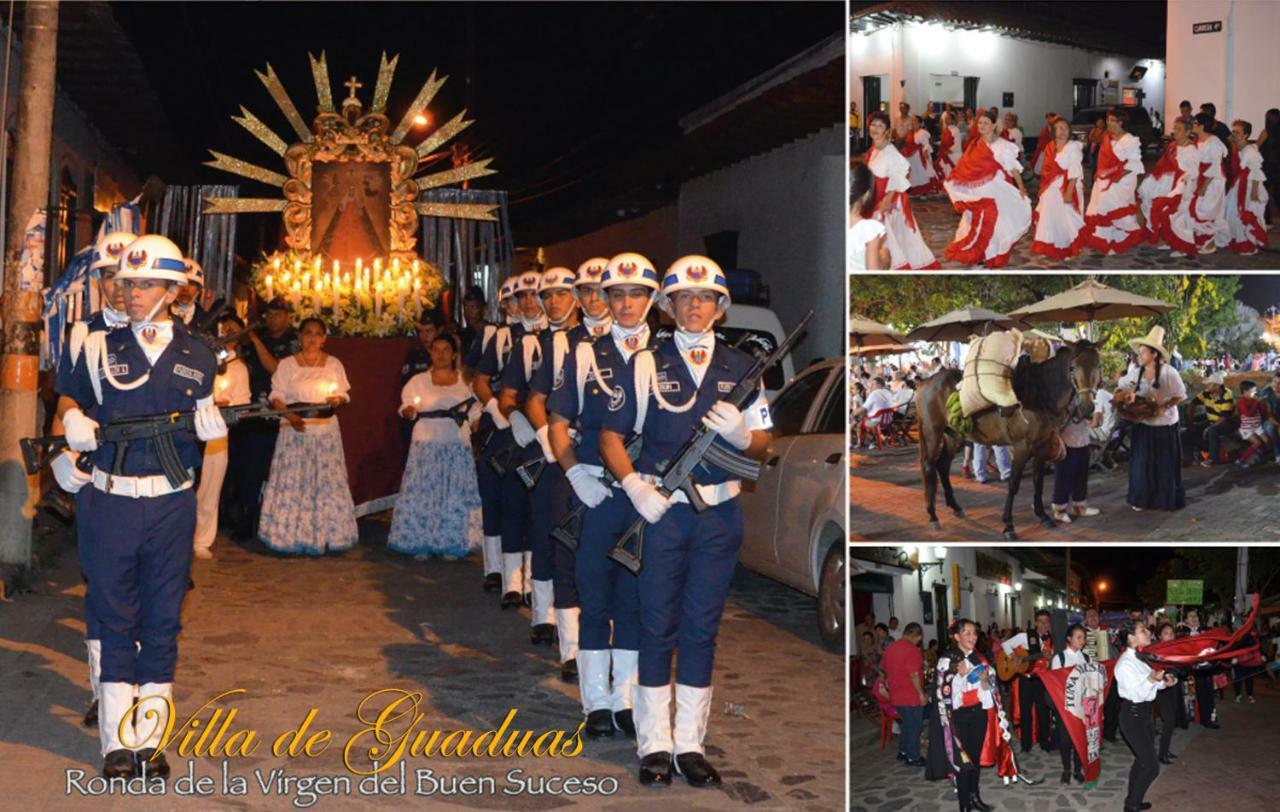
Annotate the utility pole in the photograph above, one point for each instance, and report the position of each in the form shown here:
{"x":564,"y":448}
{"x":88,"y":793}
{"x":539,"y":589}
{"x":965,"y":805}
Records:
{"x":1242,"y":580}
{"x":29,"y":190}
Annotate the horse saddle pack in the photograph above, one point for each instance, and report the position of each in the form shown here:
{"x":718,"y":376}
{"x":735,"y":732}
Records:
{"x":988,"y":373}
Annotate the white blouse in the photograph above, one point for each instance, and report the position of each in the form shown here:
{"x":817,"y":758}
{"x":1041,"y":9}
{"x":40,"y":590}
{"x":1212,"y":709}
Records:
{"x":889,"y":163}
{"x":922,"y":139}
{"x":232,"y":386}
{"x":1006,"y":154}
{"x":861,"y":233}
{"x":293,"y":383}
{"x":425,"y":396}
{"x":1070,"y":158}
{"x":1068,"y":658}
{"x":1171,"y":386}
{"x":1131,"y":678}
{"x":1129,"y":149}
{"x":1212,"y":152}
{"x":960,"y":686}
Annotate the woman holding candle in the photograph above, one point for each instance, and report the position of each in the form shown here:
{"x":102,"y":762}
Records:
{"x":438,"y":493}
{"x":307,"y":507}
{"x":230,"y":388}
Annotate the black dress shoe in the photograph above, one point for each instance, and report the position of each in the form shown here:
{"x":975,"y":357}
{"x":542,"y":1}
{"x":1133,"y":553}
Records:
{"x":152,"y":763}
{"x":1170,"y":755}
{"x":91,"y":715}
{"x":511,"y":600}
{"x":119,"y":764}
{"x":624,"y":722}
{"x":696,"y":770}
{"x":1079,"y":776}
{"x":492,"y":582}
{"x":543,"y":634}
{"x":655,"y":768}
{"x":979,"y":804}
{"x":599,"y":724}
{"x":569,"y":671}
{"x":1066,"y":776}
{"x":1166,"y":760}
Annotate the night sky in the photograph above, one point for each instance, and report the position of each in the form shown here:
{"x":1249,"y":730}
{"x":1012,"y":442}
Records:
{"x":560,"y":92}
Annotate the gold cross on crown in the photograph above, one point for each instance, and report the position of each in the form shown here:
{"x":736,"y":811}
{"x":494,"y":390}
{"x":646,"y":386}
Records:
{"x":352,"y":85}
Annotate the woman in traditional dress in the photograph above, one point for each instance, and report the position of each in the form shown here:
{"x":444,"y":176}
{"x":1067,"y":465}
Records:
{"x":1042,"y":141}
{"x":438,"y":492}
{"x":866,"y":239}
{"x":1166,"y":193}
{"x":307,"y":506}
{"x":1059,"y":217}
{"x":1247,"y":198}
{"x":967,"y":690}
{"x":986,"y":189}
{"x":919,"y":154}
{"x":1155,"y":463}
{"x":1209,"y":209}
{"x":950,"y":149}
{"x":1111,"y":219}
{"x":907,"y":249}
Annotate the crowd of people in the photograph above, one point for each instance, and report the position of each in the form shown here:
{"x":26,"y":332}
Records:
{"x":951,"y":694}
{"x":1213,"y":187}
{"x":514,"y":428}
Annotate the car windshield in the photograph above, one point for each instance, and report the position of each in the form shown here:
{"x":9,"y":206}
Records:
{"x":792,"y":406}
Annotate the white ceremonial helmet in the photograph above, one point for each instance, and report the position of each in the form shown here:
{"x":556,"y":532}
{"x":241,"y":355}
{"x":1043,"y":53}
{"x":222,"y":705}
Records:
{"x":108,"y":250}
{"x":591,"y":271}
{"x":693,"y":272}
{"x":528,"y":280}
{"x":152,"y":256}
{"x":556,"y":279}
{"x":629,"y":269}
{"x":195,"y":273}
{"x":507,"y":289}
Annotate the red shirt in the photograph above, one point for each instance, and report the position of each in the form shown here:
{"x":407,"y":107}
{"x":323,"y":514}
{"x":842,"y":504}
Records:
{"x":902,"y":659}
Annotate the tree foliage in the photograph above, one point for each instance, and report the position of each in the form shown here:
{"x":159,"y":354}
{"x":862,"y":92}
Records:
{"x":1216,"y":566}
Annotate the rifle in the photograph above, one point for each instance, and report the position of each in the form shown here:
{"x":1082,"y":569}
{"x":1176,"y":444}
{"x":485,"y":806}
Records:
{"x":219,"y":345}
{"x":38,"y":451}
{"x":570,"y":528}
{"x":205,"y":325}
{"x":678,"y":474}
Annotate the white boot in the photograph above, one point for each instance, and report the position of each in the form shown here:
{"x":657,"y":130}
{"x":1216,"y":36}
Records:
{"x":512,"y":573}
{"x":543,"y":596}
{"x":94,"y":649}
{"x":567,"y":628}
{"x":527,"y":565}
{"x":492,"y":552}
{"x":113,"y":708}
{"x":626,"y":665}
{"x":155,"y":699}
{"x":653,"y":719}
{"x":593,"y":679}
{"x":693,"y":706}
{"x":1083,"y":509}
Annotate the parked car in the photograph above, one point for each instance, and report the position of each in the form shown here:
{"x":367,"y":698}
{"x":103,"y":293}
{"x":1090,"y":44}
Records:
{"x":795,"y":513}
{"x":1139,"y":124}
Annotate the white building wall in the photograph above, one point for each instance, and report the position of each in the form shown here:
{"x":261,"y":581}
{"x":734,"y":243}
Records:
{"x":1236,"y":69}
{"x":1038,"y":74}
{"x":788,"y":207}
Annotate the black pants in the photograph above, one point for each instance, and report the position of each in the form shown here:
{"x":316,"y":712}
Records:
{"x":1139,"y":733}
{"x":969,"y":726}
{"x":1031,"y":695}
{"x":1070,"y":758}
{"x":250,"y":449}
{"x":1111,"y":714}
{"x":1206,"y":696}
{"x":1071,"y":477}
{"x":1244,"y":679}
{"x":1167,"y":702}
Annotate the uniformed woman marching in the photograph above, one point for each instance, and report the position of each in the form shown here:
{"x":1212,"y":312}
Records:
{"x":590,"y":388}
{"x":138,"y":524}
{"x":690,"y":557}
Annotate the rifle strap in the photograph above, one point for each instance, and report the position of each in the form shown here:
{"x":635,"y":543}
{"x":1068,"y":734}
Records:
{"x":646,"y":380}
{"x":501,"y":345}
{"x":79,"y":332}
{"x":532,"y":353}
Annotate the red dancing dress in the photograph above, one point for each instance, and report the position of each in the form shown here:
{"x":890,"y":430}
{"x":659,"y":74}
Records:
{"x":993,"y":213}
{"x":1111,"y":219}
{"x":1245,"y":215}
{"x":1059,"y":225}
{"x":1165,"y":196}
{"x":907,"y":248}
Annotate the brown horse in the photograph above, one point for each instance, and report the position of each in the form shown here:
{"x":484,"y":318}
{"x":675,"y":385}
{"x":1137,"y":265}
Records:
{"x":1050,"y":393}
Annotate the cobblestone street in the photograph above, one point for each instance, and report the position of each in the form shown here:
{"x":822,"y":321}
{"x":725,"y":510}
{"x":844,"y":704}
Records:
{"x":1228,"y":769}
{"x":297,"y":634}
{"x":938,"y":222}
{"x":1223,"y":504}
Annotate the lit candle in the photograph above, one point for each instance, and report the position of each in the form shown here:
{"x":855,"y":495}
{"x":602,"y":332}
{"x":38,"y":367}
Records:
{"x":333,"y":388}
{"x":415,"y":267}
{"x":270,"y":287}
{"x":417,"y":295}
{"x":395,"y":264}
{"x":222,"y":384}
{"x":317,"y":265}
{"x":297,"y":267}
{"x":294,"y":294}
{"x":359,"y":264}
{"x":275,"y":264}
{"x":377,"y":300}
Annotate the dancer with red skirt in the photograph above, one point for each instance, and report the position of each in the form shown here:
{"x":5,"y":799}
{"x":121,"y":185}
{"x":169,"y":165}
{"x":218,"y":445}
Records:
{"x":1166,"y":193}
{"x":1247,"y":197}
{"x":907,"y":248}
{"x":986,"y":189}
{"x":919,"y":154}
{"x":950,"y":149}
{"x":1111,"y":219}
{"x":1059,"y":216}
{"x":1208,"y":210}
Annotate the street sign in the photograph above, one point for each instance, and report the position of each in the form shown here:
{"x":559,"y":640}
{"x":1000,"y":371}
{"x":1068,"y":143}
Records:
{"x":1186,"y":593}
{"x":1214,"y":27}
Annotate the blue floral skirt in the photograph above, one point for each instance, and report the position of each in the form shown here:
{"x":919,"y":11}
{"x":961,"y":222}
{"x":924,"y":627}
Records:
{"x":307,"y":506}
{"x":438,"y":503}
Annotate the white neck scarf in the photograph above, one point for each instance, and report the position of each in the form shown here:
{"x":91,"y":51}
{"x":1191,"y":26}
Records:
{"x":597,"y":327}
{"x":696,"y":350}
{"x":535,"y":325}
{"x":630,"y":340}
{"x":153,"y":337}
{"x":114,"y":318}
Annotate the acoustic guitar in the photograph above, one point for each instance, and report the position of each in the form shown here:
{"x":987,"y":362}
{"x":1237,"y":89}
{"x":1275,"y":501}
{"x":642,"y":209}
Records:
{"x":1139,"y":409}
{"x":1020,"y":661}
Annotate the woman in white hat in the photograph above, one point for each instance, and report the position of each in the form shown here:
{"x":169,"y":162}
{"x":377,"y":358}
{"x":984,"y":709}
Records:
{"x":1155,"y":465}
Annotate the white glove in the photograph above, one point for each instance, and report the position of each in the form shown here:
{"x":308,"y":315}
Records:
{"x":520,"y":429}
{"x":491,"y":409}
{"x":725,"y":419}
{"x":209,"y":423}
{"x":544,"y":439}
{"x":648,"y":502}
{"x":80,"y":430}
{"x":70,"y":478}
{"x":590,"y":490}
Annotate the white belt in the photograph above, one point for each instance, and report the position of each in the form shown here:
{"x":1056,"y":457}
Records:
{"x":138,"y":486}
{"x":711,"y":494}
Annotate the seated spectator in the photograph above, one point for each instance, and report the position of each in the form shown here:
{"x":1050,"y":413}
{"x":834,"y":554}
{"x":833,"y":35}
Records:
{"x":1271,"y":427}
{"x":878,"y":399}
{"x":1219,"y":407}
{"x":1253,"y":414}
